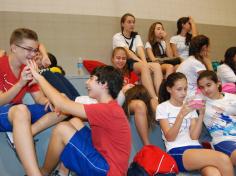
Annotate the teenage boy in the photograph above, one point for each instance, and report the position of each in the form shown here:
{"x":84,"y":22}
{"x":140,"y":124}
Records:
{"x":103,"y":150}
{"x":15,"y":80}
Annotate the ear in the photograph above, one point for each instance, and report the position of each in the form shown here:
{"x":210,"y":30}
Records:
{"x":104,"y":85}
{"x":13,"y":48}
{"x":168,"y":89}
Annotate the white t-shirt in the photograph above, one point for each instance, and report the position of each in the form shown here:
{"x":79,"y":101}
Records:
{"x":190,"y":67}
{"x":119,"y":40}
{"x":226,"y":74}
{"x":220,"y":118}
{"x":181,"y":47}
{"x":163,"y":44}
{"x":168,"y":111}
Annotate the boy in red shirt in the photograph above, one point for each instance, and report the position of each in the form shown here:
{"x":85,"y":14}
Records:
{"x":103,"y":150}
{"x":15,"y":81}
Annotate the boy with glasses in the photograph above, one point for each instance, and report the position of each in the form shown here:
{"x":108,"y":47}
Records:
{"x":15,"y":81}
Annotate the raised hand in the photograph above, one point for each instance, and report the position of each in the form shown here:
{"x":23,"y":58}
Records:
{"x":33,"y":69}
{"x":26,"y":76}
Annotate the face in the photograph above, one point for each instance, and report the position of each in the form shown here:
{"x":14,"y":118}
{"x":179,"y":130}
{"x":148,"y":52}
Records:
{"x":158,"y":31}
{"x":187,"y":26}
{"x":179,"y":91}
{"x":25,"y":50}
{"x":234,"y":59}
{"x":93,"y":87}
{"x":209,"y":88}
{"x":128,"y":24}
{"x":119,"y":60}
{"x":38,"y":60}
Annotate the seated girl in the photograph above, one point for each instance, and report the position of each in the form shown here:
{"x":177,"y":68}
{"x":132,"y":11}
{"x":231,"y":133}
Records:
{"x":158,"y":47}
{"x":220,"y":115}
{"x":180,"y":43}
{"x":227,"y":71}
{"x":197,"y":62}
{"x":133,"y":44}
{"x":137,"y":98}
{"x":181,"y":127}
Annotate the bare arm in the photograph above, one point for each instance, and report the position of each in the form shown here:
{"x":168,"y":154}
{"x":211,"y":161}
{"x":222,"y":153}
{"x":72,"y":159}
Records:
{"x":174,"y":50}
{"x":172,"y":132}
{"x":59,"y":101}
{"x":45,"y":60}
{"x":141,"y":53}
{"x":7,"y":97}
{"x":132,"y":55}
{"x":196,"y":125}
{"x":193,"y":26}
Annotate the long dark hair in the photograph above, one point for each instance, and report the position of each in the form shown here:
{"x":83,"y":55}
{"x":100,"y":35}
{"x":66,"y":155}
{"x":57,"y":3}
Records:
{"x":153,"y":42}
{"x":229,"y":58}
{"x":139,"y":92}
{"x":196,"y":45}
{"x":180,"y":22}
{"x":209,"y":75}
{"x":164,"y":95}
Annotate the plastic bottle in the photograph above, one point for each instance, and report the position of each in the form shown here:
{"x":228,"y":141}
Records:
{"x":80,"y":66}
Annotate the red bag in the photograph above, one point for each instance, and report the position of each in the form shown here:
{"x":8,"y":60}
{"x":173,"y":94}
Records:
{"x":90,"y":65}
{"x":154,"y":160}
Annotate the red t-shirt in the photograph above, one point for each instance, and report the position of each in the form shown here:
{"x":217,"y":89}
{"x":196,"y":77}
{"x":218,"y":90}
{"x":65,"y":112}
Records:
{"x":8,"y":79}
{"x":132,"y":78}
{"x":111,"y":135}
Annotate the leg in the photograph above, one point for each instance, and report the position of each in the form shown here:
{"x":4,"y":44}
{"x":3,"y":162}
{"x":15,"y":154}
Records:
{"x":140,"y":118}
{"x":46,"y":121}
{"x":61,"y":135}
{"x":157,"y":74}
{"x":167,"y":69}
{"x":194,"y":159}
{"x":146,"y":77}
{"x":20,"y":118}
{"x":209,"y":171}
{"x":233,"y":157}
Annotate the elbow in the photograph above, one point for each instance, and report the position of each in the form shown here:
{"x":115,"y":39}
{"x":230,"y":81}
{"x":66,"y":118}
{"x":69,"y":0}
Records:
{"x":170,"y":138}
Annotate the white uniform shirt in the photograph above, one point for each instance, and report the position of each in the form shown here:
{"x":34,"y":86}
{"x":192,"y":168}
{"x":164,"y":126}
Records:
{"x":220,"y":118}
{"x":181,"y":47}
{"x":168,"y":111}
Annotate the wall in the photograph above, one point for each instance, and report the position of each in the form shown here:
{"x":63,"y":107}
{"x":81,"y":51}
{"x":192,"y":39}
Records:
{"x":71,"y":29}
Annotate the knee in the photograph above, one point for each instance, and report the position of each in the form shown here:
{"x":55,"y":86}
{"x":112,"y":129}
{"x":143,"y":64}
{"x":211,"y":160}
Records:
{"x":139,"y":106}
{"x":19,"y":113}
{"x":223,"y":158}
{"x":59,"y":128}
{"x":170,"y":68}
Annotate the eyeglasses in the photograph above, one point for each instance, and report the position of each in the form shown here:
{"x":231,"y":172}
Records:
{"x":31,"y":50}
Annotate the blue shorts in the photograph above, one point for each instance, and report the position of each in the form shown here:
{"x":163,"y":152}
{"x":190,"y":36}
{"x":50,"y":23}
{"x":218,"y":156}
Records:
{"x":226,"y":147}
{"x":36,"y":111}
{"x":177,"y":154}
{"x":81,"y":157}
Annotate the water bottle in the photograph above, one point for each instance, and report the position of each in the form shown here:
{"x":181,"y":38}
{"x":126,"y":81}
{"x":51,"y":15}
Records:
{"x":80,"y":66}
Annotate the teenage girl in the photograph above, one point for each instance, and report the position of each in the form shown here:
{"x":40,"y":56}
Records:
{"x":133,"y":44}
{"x":181,"y":127}
{"x":220,"y":115}
{"x":180,"y":42}
{"x":158,"y":46}
{"x":137,"y":99}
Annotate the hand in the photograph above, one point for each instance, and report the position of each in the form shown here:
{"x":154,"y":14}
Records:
{"x":164,"y":35}
{"x":191,"y":20}
{"x":48,"y":105}
{"x":33,"y":69}
{"x":127,"y":87}
{"x":46,"y":61}
{"x":185,"y":109}
{"x":26,"y":76}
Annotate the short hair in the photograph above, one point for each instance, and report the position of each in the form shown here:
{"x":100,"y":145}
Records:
{"x":22,"y":33}
{"x":111,"y":76}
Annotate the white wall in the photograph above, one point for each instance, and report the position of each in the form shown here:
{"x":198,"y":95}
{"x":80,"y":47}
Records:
{"x":217,"y":12}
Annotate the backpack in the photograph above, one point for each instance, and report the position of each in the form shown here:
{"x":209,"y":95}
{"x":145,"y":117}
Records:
{"x":151,"y":160}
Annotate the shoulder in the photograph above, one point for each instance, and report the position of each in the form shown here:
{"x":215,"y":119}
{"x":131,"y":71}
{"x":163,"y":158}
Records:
{"x":117,"y":35}
{"x":223,"y":67}
{"x":148,"y":45}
